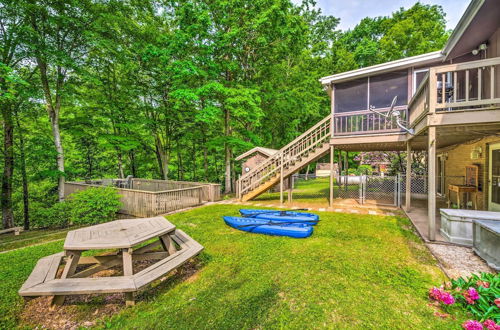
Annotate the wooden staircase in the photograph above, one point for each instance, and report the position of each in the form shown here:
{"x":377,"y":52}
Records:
{"x":307,"y":148}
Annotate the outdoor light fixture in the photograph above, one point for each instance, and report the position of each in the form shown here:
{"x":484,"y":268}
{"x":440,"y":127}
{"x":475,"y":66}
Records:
{"x":482,"y":46}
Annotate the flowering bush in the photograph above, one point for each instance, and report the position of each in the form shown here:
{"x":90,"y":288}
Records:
{"x":478,"y":294}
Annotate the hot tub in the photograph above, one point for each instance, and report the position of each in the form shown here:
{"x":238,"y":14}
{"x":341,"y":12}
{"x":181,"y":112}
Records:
{"x":456,"y":225}
{"x":487,"y":241}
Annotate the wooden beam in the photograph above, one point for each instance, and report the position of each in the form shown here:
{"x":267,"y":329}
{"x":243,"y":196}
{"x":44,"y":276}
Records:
{"x":128,"y":271}
{"x":408,"y":176}
{"x":332,"y":153}
{"x":71,"y":262}
{"x":431,"y":161}
{"x":281,"y":180}
{"x":290,"y":189}
{"x":168,"y":244}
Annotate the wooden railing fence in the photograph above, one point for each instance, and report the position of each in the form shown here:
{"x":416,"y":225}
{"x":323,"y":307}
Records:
{"x":153,"y":197}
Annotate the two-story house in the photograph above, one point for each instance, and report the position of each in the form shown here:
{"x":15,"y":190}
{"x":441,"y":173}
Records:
{"x":448,"y":104}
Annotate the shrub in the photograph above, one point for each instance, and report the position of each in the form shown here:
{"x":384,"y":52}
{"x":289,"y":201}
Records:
{"x":477,"y":294}
{"x":365,"y":170}
{"x":94,"y":205}
{"x":56,"y":216}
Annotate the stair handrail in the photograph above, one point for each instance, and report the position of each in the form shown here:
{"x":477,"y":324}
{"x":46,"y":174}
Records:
{"x":285,"y":151}
{"x":277,"y":154}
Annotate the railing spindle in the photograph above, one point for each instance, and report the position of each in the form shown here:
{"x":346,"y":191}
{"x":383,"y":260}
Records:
{"x":479,"y":83}
{"x":492,"y":82}
{"x":466,"y":85}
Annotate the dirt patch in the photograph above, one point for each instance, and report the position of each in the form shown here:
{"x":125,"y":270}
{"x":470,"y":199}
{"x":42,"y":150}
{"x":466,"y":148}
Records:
{"x":83,"y":311}
{"x":458,"y":261}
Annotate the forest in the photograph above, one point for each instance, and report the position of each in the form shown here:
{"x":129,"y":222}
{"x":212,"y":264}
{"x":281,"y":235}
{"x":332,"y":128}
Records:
{"x":171,"y":89}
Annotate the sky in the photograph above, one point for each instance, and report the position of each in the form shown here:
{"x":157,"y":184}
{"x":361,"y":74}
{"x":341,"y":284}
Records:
{"x":351,"y":12}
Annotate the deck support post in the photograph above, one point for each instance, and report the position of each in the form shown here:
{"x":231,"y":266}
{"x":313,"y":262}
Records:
{"x":290,"y":188}
{"x":408,"y":177}
{"x":346,"y":169}
{"x":281,"y":180}
{"x":432,"y":182}
{"x":332,"y":153}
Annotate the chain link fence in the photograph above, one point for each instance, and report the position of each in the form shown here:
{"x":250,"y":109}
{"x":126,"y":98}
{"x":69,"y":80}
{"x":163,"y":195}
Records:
{"x":363,"y":189}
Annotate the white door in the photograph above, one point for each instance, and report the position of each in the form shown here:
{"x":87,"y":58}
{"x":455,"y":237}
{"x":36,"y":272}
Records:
{"x":494,"y":178}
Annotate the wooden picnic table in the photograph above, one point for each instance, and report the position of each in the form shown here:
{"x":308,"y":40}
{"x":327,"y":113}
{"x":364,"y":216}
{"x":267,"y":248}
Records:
{"x":121,"y":236}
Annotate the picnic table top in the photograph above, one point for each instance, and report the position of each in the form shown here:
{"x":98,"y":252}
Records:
{"x":117,"y":234}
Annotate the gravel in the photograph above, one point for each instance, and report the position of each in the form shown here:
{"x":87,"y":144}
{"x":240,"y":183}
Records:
{"x":458,"y":261}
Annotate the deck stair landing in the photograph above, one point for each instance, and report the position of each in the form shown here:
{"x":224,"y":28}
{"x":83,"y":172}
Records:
{"x":307,"y":148}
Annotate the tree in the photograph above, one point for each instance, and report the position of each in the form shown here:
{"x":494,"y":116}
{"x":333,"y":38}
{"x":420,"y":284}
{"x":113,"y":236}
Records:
{"x":58,"y":32}
{"x":11,"y":54}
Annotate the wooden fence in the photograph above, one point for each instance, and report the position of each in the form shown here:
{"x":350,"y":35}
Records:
{"x":211,"y":191}
{"x":153,"y":197}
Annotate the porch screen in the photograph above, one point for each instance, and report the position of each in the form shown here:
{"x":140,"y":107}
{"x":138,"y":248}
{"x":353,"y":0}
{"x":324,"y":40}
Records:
{"x":351,"y":96}
{"x":383,"y":88}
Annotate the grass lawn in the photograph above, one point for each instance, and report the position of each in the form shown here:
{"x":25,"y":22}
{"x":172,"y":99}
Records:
{"x":312,"y":191}
{"x":25,"y":238}
{"x":356,"y":271}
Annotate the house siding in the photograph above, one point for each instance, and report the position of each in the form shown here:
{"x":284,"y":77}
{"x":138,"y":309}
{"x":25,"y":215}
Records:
{"x":459,"y":156}
{"x":253,"y":161}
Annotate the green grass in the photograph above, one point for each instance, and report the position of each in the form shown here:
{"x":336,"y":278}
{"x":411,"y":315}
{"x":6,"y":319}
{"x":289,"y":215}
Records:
{"x":356,"y":271}
{"x":15,"y":267}
{"x":25,"y":238}
{"x":314,"y":191}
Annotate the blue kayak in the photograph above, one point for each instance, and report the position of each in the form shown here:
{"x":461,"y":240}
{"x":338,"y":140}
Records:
{"x":262,"y":226}
{"x":276,"y":215}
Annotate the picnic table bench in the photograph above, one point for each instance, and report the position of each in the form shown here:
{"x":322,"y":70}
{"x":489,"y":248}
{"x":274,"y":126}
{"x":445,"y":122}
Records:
{"x":121,"y":236}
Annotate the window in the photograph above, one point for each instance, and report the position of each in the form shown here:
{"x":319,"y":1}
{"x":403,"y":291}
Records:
{"x":383,"y":88}
{"x":377,"y":91}
{"x":418,"y":77}
{"x":351,"y":96}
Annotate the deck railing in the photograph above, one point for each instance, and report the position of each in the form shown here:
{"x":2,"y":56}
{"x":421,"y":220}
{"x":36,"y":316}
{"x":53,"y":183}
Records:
{"x":367,"y":122}
{"x":462,"y":86}
{"x":152,"y":197}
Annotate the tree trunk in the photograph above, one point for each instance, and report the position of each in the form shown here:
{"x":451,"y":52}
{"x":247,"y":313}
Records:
{"x":162,"y":157}
{"x":227,"y":152}
{"x":22,"y":157}
{"x":181,"y":165}
{"x":205,"y":161}
{"x":8,"y":170}
{"x":53,"y":112}
{"x":120,"y":165}
{"x":133,"y":166}
{"x":193,"y":160}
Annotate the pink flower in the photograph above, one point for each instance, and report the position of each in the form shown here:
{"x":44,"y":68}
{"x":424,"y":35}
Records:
{"x":497,"y":302}
{"x":441,"y":295}
{"x":491,"y":325}
{"x":472,"y":325}
{"x":473,"y":294}
{"x":435,"y":293}
{"x":447,"y":298}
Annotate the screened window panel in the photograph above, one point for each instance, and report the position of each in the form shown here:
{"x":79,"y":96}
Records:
{"x":351,"y":96}
{"x":383,"y":88}
{"x":419,"y":77}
